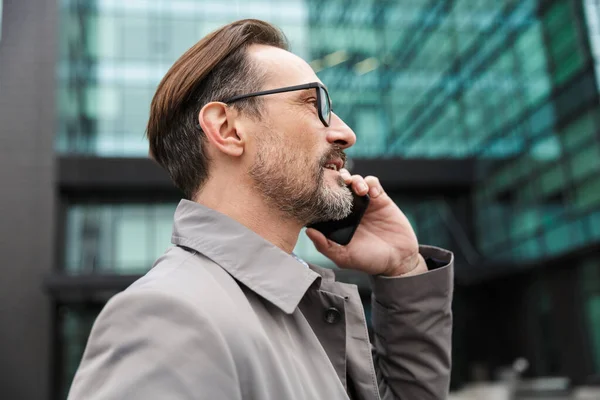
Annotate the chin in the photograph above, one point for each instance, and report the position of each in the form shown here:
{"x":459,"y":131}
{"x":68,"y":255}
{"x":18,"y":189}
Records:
{"x":337,"y":180}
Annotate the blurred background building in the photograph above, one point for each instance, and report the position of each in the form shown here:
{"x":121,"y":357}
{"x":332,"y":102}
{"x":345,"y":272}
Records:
{"x":481,"y":117}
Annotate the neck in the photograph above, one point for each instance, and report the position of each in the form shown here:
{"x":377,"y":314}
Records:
{"x":241,"y":203}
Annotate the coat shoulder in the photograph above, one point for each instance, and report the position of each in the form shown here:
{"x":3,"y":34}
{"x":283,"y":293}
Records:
{"x":193,"y":279}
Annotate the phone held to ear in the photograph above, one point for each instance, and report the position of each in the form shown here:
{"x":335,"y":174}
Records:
{"x":341,"y":231}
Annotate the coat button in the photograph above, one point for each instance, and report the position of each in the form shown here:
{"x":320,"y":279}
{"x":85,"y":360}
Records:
{"x":332,"y":315}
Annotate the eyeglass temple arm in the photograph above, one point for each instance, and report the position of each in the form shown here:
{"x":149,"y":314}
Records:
{"x":271,"y":91}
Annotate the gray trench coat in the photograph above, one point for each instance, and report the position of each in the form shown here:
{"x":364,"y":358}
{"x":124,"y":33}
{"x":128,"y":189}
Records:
{"x":227,"y":315}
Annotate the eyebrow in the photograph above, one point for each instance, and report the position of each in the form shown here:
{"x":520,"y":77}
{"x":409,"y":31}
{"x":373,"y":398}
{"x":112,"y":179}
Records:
{"x":307,"y":92}
{"x":303,"y":94}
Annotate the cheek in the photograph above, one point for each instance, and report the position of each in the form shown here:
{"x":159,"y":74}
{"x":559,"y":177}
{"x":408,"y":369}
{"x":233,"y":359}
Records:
{"x":309,"y":142}
{"x":298,"y":146}
{"x":297,"y":140}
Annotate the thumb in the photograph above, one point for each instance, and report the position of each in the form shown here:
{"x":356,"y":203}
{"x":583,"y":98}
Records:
{"x":330,"y":249}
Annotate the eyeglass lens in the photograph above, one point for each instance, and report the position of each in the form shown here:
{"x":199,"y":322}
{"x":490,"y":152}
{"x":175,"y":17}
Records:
{"x":325,"y":105}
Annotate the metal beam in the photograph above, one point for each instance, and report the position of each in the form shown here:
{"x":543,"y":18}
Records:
{"x":99,"y":288}
{"x":85,"y":175}
{"x":95,"y":289}
{"x":491,"y":270}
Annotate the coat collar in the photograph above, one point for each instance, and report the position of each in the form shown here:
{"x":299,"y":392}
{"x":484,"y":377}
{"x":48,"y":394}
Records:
{"x":261,"y":266}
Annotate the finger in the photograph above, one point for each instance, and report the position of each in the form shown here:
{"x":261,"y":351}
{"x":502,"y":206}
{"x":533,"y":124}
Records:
{"x":375,"y":188}
{"x":359,"y":185}
{"x":345,"y":174}
{"x":322,"y":244}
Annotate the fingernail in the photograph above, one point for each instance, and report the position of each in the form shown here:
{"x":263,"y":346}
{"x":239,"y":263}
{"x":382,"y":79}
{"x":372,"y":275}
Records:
{"x":362,"y":187}
{"x":375,"y":191}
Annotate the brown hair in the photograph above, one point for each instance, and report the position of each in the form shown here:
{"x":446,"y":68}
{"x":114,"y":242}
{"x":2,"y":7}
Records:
{"x":214,"y":69}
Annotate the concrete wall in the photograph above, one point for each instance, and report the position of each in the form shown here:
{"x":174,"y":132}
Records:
{"x":27,"y":124}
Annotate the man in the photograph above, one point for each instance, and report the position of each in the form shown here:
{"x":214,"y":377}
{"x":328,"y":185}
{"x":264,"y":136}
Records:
{"x":229,"y":312}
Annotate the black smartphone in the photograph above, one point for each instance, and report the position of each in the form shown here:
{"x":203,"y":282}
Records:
{"x":341,"y":231}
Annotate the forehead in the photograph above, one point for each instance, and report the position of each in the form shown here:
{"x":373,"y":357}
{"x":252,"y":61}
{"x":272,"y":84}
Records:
{"x":282,"y":67}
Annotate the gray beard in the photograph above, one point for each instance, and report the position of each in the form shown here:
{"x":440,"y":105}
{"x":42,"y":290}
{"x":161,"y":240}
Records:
{"x":304,"y":197}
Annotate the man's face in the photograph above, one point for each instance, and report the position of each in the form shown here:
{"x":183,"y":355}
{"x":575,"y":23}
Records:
{"x":296,"y":157}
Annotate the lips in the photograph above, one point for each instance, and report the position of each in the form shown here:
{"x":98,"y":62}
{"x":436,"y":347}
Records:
{"x":334,"y":159}
{"x":334,"y":164}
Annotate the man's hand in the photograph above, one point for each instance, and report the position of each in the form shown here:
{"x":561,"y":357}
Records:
{"x":384,"y":243}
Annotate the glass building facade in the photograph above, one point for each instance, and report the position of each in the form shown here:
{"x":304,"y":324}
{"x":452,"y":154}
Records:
{"x":510,"y":84}
{"x":503,"y":82}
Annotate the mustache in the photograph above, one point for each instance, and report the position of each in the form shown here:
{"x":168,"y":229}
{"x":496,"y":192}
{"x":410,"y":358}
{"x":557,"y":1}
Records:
{"x":335,"y":152}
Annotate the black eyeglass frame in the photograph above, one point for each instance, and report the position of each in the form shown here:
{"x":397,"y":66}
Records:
{"x":312,"y":85}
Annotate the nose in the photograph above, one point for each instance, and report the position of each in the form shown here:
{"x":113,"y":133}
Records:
{"x":340,"y":133}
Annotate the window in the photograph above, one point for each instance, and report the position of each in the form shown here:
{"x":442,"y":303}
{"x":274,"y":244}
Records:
{"x":116,"y":238}
{"x":119,"y":52}
{"x":552,"y":180}
{"x":587,"y":195}
{"x":74,"y":326}
{"x":580,"y":130}
{"x":585,"y":162}
{"x":590,"y":288}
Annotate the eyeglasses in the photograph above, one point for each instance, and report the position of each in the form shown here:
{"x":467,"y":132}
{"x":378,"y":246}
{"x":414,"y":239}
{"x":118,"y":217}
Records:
{"x":323,"y":101}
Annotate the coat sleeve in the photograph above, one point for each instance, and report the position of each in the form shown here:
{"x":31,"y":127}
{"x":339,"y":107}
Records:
{"x":141,"y":347}
{"x":412,"y":324}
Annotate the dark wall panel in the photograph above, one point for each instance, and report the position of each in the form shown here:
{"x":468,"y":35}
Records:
{"x":27,"y":112}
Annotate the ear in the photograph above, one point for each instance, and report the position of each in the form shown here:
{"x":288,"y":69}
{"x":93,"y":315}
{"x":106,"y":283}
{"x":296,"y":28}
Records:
{"x":218,"y":124}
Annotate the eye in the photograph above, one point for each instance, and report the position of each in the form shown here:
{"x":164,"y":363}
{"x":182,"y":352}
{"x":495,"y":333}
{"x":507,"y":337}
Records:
{"x":312,"y":100}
